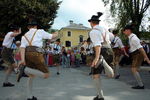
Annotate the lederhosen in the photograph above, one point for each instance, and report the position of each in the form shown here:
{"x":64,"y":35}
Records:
{"x":117,"y":52}
{"x":107,"y":53}
{"x":34,"y":56}
{"x":56,"y":57}
{"x":7,"y":55}
{"x":137,"y":58}
{"x":89,"y":56}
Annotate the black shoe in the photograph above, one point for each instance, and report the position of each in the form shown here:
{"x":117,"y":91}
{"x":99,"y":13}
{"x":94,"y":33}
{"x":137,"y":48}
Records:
{"x":90,"y":73}
{"x":8,"y":84}
{"x":58,"y":73}
{"x":138,"y":87}
{"x":21,"y":73}
{"x":96,"y":98}
{"x":33,"y":98}
{"x":117,"y":77}
{"x":24,"y":75}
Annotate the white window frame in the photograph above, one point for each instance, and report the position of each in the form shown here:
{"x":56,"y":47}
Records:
{"x":79,"y":38}
{"x":70,"y":33}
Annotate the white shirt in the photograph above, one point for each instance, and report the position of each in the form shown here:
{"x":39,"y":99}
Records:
{"x":146,"y":48}
{"x":57,"y":47}
{"x":118,"y":42}
{"x":90,"y":47}
{"x":134,"y":43}
{"x":97,"y":35}
{"x":8,"y":40}
{"x":111,"y":36}
{"x":38,"y":38}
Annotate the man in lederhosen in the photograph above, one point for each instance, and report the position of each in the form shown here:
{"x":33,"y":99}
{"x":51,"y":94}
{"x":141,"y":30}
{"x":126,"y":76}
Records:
{"x":138,"y":55}
{"x":89,"y":52}
{"x":7,"y":52}
{"x":118,"y":47}
{"x":100,"y":39}
{"x":32,"y":54}
{"x":56,"y":57}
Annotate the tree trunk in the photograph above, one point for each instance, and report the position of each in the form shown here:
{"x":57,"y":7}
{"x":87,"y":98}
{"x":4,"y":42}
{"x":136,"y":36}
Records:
{"x":137,"y":22}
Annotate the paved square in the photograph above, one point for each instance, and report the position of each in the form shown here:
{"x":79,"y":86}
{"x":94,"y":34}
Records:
{"x":72,"y":84}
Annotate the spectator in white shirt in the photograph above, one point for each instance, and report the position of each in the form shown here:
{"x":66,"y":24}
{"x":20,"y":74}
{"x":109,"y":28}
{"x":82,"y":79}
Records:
{"x":56,"y":56}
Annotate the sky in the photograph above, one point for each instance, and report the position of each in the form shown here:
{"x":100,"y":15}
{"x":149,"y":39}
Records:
{"x":79,"y":11}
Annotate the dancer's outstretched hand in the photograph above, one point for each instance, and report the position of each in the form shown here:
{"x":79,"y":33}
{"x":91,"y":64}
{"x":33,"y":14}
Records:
{"x":147,"y":60}
{"x":126,"y":55}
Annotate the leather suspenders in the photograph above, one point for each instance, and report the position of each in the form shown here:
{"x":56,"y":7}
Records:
{"x":30,"y":42}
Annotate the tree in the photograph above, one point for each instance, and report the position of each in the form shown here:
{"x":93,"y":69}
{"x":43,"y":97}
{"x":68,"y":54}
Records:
{"x":128,"y":11}
{"x":20,"y":12}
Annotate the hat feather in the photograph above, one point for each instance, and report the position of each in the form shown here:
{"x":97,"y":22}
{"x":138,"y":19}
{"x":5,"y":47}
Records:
{"x":100,"y":14}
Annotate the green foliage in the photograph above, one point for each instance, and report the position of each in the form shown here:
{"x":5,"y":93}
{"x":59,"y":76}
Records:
{"x":52,"y":30}
{"x":145,"y":35}
{"x":22,"y":11}
{"x":128,"y":11}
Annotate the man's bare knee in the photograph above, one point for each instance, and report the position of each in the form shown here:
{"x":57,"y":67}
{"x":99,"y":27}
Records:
{"x":14,"y":65}
{"x":96,"y":76}
{"x":134,"y":70}
{"x":46,"y":75}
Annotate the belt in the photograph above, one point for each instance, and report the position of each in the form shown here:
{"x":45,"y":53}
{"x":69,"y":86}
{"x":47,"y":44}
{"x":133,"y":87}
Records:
{"x":115,"y":48}
{"x":90,"y":54}
{"x":6,"y":47}
{"x":34,"y":49}
{"x":135,"y":52}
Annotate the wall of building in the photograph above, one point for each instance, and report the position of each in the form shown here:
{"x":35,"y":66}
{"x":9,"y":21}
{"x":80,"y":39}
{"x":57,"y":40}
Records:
{"x":74,"y":38}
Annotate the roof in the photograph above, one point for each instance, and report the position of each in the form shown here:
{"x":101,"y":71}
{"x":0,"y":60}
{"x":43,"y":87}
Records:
{"x":76,"y":26}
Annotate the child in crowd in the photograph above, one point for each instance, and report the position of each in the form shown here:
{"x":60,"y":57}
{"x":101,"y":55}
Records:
{"x":50,"y":57}
{"x":78,"y":59}
{"x":68,"y":57}
{"x":72,"y":58}
{"x":17,"y":55}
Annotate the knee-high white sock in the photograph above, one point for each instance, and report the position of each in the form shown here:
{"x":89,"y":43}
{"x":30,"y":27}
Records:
{"x":138,"y":79}
{"x":109,"y":71}
{"x":58,"y":69}
{"x":98,"y":86}
{"x":7,"y":75}
{"x":34,"y":72}
{"x":6,"y":78}
{"x":29,"y":87}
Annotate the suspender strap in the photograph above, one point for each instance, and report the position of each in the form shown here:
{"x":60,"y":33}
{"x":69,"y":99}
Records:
{"x":116,"y":41}
{"x":27,"y":40}
{"x":131,"y":38}
{"x":30,"y":42}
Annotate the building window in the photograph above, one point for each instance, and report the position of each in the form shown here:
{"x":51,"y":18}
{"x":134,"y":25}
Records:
{"x":69,"y":34}
{"x":81,"y":38}
{"x":68,"y":44}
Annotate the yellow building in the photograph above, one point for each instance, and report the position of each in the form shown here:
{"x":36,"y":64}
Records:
{"x":73,"y":34}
